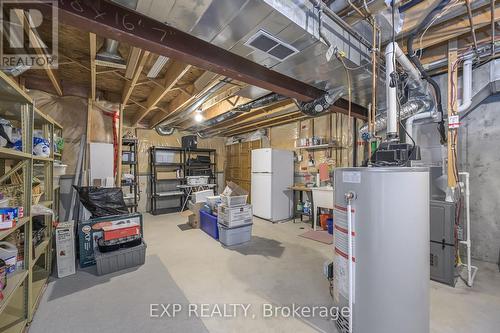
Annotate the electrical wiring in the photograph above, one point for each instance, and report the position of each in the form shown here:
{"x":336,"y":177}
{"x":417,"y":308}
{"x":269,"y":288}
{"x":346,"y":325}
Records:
{"x":447,"y":8}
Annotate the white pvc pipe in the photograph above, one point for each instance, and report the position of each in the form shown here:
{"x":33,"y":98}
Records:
{"x":467,"y":242}
{"x":394,"y":53}
{"x":466,"y":86}
{"x":407,"y":65}
{"x":390,"y":92}
{"x":415,"y":117}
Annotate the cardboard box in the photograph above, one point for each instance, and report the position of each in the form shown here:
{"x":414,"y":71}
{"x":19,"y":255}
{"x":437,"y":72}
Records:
{"x":65,"y":249}
{"x":193,"y":214}
{"x":90,"y":231}
{"x":121,"y":230}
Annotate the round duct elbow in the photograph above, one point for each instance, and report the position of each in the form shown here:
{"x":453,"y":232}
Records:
{"x":410,"y":108}
{"x":321,"y":104}
{"x":164,"y":131}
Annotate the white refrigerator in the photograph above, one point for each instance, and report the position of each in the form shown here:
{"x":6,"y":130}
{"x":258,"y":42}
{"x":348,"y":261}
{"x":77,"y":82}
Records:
{"x":272,"y":175}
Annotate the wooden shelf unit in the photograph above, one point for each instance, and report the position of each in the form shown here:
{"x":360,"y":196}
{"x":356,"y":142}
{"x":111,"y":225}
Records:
{"x":25,"y":286}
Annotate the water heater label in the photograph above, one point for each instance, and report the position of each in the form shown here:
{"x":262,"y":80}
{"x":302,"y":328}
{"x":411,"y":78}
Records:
{"x":351,"y":177}
{"x":341,"y":269}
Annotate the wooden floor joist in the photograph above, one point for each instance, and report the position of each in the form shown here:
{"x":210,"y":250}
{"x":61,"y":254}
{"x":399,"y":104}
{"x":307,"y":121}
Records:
{"x":39,"y":49}
{"x":174,"y":73}
{"x":130,"y":85}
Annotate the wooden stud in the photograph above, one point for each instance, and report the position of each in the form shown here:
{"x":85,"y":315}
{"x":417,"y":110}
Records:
{"x":93,"y":52}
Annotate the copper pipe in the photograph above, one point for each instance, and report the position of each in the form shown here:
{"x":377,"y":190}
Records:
{"x":471,"y":23}
{"x":371,"y":112}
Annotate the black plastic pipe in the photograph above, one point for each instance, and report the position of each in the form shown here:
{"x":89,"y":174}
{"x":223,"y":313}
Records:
{"x":414,"y":59}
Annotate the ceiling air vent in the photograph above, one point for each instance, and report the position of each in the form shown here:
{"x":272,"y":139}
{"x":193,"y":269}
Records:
{"x":265,"y":42}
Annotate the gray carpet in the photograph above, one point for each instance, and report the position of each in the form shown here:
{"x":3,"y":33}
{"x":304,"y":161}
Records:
{"x":117,"y":302}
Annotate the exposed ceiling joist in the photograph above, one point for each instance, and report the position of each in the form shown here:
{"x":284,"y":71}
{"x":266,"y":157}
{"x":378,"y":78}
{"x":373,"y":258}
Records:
{"x":113,"y":21}
{"x":39,"y":49}
{"x":174,"y":73}
{"x":222,"y":96}
{"x":455,"y":28}
{"x":206,"y":81}
{"x":93,"y":51}
{"x":130,"y":85}
{"x":134,"y":57}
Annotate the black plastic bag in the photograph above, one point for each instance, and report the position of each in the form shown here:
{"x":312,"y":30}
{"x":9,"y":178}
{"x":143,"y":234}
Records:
{"x":102,"y":201}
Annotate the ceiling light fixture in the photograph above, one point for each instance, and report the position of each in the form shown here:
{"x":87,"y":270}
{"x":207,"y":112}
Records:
{"x":198,"y":117}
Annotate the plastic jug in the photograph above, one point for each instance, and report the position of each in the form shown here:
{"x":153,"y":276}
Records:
{"x":8,"y":253}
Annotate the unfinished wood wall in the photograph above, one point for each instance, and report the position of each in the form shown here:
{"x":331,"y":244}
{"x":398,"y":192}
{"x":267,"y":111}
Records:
{"x":238,"y":167}
{"x":332,"y":127}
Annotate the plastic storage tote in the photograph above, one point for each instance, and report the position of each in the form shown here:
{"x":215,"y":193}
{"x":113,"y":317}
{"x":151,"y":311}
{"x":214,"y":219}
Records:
{"x":329,"y":222}
{"x":237,"y":235}
{"x":234,"y":216}
{"x":208,"y":223}
{"x":234,"y":201}
{"x":110,"y":262}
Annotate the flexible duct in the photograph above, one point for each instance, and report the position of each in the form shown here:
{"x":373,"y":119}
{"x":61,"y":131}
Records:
{"x":321,"y":104}
{"x":189,"y":110}
{"x":164,"y":130}
{"x":258,"y":103}
{"x":464,"y":105}
{"x":410,"y":108}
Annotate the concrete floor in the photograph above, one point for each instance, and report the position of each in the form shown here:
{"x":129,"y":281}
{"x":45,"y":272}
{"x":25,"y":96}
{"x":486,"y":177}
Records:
{"x":277,"y":268}
{"x":281,"y":268}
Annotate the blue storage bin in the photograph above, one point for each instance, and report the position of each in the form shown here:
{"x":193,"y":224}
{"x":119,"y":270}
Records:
{"x":208,"y":223}
{"x":329,"y":223}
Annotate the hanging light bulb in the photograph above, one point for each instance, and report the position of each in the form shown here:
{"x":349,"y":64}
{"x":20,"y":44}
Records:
{"x":198,"y":117}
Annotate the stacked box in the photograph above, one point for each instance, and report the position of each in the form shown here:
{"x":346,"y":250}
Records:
{"x":234,"y":216}
{"x":236,"y":235}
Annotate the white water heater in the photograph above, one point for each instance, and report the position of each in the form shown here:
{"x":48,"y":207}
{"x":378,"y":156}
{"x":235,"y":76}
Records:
{"x":386,"y":282}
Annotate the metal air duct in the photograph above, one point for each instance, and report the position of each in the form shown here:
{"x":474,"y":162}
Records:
{"x":322,"y":104}
{"x":108,"y":56}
